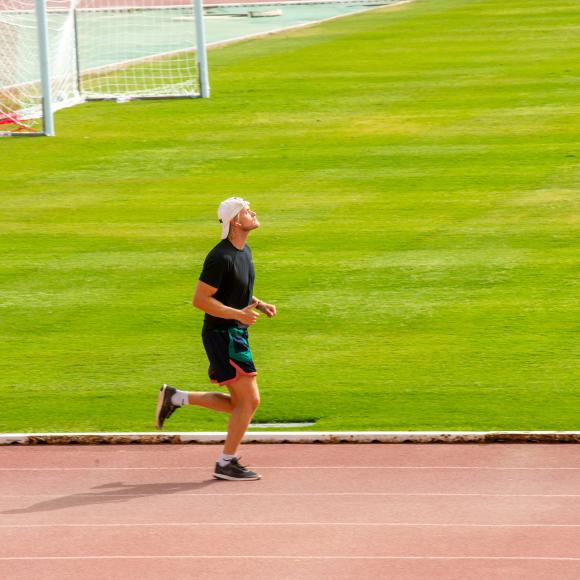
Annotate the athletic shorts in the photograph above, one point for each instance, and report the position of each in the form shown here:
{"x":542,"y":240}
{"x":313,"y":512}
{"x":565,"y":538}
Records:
{"x":229,"y":355}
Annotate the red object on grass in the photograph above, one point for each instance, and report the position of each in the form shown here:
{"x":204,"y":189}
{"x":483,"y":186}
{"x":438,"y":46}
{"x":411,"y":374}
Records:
{"x":10,"y":119}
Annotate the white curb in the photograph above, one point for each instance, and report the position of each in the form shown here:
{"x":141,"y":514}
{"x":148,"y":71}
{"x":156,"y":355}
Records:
{"x":215,"y":437}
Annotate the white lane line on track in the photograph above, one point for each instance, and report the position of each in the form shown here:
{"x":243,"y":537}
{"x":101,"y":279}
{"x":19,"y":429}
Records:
{"x":317,"y":467}
{"x":288,"y":524}
{"x":289,"y":494}
{"x":199,"y":557}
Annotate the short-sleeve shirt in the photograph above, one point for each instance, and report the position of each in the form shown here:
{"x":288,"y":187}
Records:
{"x":231,"y":271}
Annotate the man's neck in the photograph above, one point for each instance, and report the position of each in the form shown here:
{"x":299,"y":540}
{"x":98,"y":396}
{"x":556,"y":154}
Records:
{"x":238,"y":238}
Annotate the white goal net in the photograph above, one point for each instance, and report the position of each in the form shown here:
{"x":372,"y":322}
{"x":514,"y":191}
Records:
{"x":96,"y":49}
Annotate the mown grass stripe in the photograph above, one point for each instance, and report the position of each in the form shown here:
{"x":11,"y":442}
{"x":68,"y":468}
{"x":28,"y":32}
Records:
{"x":416,"y":174}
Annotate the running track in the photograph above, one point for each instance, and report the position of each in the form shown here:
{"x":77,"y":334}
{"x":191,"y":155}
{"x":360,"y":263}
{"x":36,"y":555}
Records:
{"x":484,"y":512}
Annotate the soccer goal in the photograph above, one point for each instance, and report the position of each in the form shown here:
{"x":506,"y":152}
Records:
{"x":58,"y":53}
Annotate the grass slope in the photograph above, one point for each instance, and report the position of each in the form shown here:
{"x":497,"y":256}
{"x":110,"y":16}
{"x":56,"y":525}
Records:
{"x":416,"y":173}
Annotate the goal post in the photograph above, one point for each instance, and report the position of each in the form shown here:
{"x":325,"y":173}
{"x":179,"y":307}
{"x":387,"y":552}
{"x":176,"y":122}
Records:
{"x":57,"y":53}
{"x":201,"y":52}
{"x":26,"y":90}
{"x":44,"y":63}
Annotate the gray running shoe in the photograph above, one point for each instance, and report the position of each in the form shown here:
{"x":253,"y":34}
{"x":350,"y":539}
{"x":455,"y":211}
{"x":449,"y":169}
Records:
{"x":165,"y":408}
{"x":233,"y":471}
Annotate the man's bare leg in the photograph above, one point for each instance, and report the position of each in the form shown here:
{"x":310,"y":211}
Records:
{"x":170,"y":399}
{"x":216,"y":401}
{"x":245,"y":398}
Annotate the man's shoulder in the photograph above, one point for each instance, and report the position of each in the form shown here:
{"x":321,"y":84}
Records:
{"x":247,"y":251}
{"x":221,"y":251}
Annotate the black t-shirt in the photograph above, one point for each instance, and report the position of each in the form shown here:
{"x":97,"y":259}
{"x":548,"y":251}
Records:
{"x":231,"y":271}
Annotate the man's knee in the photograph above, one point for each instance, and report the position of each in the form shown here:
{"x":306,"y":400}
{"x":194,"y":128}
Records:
{"x":245,"y":393}
{"x":252,"y":399}
{"x":255,"y":400}
{"x":248,"y":404}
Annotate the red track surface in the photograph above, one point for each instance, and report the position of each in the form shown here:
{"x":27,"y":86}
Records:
{"x":320,"y":511}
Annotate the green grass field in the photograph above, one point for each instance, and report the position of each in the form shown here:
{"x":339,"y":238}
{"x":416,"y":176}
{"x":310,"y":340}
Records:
{"x":416,"y":171}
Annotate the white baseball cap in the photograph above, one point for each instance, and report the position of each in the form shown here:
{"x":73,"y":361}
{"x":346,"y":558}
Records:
{"x":228,"y":210}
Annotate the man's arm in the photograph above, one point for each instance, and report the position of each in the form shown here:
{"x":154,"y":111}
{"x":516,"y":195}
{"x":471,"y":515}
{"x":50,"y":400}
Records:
{"x":268,"y":309}
{"x":203,"y":299}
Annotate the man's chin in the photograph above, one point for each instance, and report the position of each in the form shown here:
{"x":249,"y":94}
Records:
{"x":252,"y":227}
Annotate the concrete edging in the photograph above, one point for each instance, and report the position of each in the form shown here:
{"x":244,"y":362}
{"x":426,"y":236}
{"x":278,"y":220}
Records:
{"x":216,"y":437}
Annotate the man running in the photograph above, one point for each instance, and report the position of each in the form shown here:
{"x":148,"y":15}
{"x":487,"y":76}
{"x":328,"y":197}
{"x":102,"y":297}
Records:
{"x":225,"y":293}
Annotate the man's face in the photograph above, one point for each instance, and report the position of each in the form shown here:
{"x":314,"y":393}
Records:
{"x":247,"y":220}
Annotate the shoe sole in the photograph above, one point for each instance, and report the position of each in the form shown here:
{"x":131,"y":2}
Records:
{"x":160,"y":399}
{"x":230,"y":478}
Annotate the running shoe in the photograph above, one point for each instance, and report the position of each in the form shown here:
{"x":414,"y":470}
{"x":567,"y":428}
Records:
{"x":233,"y":471}
{"x":165,"y":408}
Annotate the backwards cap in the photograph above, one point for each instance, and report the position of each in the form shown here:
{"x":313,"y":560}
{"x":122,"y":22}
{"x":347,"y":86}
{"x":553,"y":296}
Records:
{"x":228,"y":210}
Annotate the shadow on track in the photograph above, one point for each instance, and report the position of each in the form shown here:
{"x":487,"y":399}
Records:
{"x":113,"y":493}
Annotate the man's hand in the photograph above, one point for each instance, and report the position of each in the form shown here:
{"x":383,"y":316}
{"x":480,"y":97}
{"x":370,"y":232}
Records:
{"x":268,"y":309}
{"x":247,"y":314}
